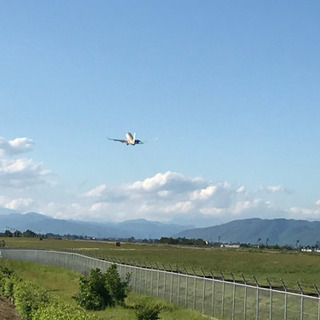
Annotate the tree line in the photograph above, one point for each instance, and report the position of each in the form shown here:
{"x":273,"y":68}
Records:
{"x":183,"y":241}
{"x":27,"y":234}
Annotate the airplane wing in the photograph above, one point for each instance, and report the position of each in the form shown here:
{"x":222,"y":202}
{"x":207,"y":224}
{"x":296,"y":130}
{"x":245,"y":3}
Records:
{"x":119,"y":140}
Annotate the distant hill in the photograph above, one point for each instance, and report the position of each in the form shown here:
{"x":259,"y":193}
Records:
{"x":39,"y":223}
{"x":277,"y":231}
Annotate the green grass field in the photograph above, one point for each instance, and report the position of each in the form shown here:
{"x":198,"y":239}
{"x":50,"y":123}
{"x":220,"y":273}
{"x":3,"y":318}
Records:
{"x":64,"y":284}
{"x":291,"y":266}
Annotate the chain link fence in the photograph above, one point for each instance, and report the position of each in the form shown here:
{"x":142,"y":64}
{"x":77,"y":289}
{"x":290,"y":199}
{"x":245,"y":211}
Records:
{"x":217,"y":298}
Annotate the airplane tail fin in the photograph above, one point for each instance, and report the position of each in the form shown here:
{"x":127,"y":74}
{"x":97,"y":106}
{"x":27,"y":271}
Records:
{"x":134,"y":137}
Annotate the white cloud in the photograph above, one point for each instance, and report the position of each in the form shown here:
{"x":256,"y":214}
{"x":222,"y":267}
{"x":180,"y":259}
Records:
{"x":275,"y":189}
{"x":96,"y":192}
{"x":168,"y":196}
{"x":99,"y":206}
{"x":179,"y":207}
{"x":278,"y":189}
{"x":241,"y":189}
{"x":312,"y":213}
{"x":214,"y":212}
{"x":17,"y":204}
{"x":168,"y":181}
{"x":242,"y":206}
{"x":203,"y":194}
{"x":22,"y":173}
{"x":15,"y":146}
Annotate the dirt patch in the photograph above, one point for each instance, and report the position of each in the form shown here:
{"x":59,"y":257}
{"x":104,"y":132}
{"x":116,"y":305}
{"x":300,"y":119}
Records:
{"x":7,"y":310}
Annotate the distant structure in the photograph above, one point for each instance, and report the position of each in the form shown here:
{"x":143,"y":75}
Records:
{"x":233,"y":246}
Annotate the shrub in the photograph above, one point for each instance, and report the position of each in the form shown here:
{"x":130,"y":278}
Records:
{"x":33,"y":302}
{"x":29,"y":297}
{"x":93,"y":294}
{"x":147,"y":312}
{"x":7,"y":280}
{"x":114,"y":285}
{"x":8,"y":288}
{"x":60,"y":311}
{"x":99,"y":290}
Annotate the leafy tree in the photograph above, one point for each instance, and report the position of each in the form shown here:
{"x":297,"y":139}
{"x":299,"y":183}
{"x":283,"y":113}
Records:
{"x":93,"y":294}
{"x":115,"y":286}
{"x":17,"y":234}
{"x":29,"y":234}
{"x":99,"y":290}
{"x":8,"y":234}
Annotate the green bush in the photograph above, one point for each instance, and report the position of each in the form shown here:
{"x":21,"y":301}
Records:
{"x":5,"y":275}
{"x":7,"y":280}
{"x":93,"y":294}
{"x":114,"y":285}
{"x":8,"y":288}
{"x":99,"y":290}
{"x":61,"y":311}
{"x":33,"y":302}
{"x":147,"y":312}
{"x":29,"y":297}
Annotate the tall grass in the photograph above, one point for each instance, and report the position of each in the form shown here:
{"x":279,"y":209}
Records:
{"x":64,"y":284}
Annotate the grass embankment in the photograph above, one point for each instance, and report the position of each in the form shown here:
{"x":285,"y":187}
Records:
{"x":291,"y":266}
{"x":64,"y":284}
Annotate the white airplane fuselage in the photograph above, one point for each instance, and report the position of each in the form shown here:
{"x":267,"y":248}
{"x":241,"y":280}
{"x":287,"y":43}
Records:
{"x":130,"y":139}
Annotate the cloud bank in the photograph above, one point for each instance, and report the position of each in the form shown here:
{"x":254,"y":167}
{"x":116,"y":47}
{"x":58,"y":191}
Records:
{"x":15,"y":146}
{"x":20,"y":172}
{"x":171,"y":196}
{"x":166,"y":196}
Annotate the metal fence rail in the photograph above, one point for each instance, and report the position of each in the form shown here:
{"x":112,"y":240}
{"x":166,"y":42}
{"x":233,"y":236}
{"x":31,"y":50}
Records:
{"x":213,"y":297}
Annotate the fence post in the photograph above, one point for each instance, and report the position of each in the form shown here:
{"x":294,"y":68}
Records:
{"x":178,"y":271}
{"x":140,"y":277}
{"x":186,"y":295}
{"x":301,"y":303}
{"x":151,"y":270}
{"x":285,"y":300}
{"x":135,"y":278}
{"x":270,"y":307}
{"x":233,"y":295}
{"x":318,"y":292}
{"x":222,"y":301}
{"x":165,"y":278}
{"x":158,"y":279}
{"x":145,"y":278}
{"x":244,"y":297}
{"x":171,"y":286}
{"x":204,"y":290}
{"x":257,"y":301}
{"x":213,"y":287}
{"x":120,"y":268}
{"x":194,"y":289}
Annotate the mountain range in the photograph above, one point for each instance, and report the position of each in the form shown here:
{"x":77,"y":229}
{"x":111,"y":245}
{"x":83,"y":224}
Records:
{"x":264,"y":231}
{"x":39,"y":223}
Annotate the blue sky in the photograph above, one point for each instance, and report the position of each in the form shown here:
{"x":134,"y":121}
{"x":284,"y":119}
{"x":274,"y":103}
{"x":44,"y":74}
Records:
{"x":230,"y":90}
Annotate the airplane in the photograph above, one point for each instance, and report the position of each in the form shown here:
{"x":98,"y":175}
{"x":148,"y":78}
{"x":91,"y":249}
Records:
{"x":131,"y":139}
